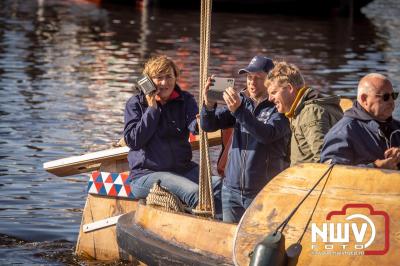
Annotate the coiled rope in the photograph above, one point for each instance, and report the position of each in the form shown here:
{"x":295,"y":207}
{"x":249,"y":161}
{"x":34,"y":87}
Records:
{"x":161,"y":197}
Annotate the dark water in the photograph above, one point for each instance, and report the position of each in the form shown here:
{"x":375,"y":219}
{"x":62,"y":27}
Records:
{"x":65,"y":74}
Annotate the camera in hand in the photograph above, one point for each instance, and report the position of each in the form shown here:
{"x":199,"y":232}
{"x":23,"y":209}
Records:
{"x":218,"y":86}
{"x":146,"y":85}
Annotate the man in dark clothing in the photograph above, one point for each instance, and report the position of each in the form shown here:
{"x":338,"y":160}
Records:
{"x":367,"y":135}
{"x":260,"y":138}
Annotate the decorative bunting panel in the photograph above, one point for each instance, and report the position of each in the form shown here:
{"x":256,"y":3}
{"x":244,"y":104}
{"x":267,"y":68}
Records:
{"x":110,"y":184}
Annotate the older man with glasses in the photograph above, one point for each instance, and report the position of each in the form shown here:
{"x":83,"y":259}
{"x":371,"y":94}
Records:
{"x":367,"y":135}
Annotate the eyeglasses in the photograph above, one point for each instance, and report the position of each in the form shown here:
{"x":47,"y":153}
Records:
{"x":386,"y":96}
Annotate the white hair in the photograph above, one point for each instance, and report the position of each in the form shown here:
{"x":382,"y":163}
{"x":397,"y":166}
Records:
{"x":365,"y":83}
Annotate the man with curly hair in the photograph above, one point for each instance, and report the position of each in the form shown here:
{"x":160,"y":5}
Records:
{"x":310,"y":115}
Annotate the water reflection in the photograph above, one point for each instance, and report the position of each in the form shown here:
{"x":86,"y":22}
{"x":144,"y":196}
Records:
{"x":66,"y":69}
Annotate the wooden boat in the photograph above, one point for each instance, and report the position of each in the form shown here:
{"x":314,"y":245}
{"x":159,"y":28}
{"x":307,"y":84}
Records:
{"x":158,"y":237}
{"x":97,"y":236}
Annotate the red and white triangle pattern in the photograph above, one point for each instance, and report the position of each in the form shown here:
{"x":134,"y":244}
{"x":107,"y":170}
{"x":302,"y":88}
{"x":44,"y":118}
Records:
{"x":110,"y":184}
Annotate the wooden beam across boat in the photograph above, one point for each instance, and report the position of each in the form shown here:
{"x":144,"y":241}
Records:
{"x":92,"y":161}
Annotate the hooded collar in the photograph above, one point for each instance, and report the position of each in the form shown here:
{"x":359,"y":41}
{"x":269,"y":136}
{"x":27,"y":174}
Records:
{"x":358,"y":112}
{"x":296,"y":102}
{"x":312,"y":96}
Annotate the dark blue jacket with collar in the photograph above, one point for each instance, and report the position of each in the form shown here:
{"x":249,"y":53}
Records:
{"x":260,"y":143}
{"x":159,"y":137}
{"x":358,"y":139}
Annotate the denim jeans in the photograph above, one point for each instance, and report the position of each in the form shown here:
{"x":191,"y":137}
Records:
{"x":234,"y":204}
{"x":184,"y":186}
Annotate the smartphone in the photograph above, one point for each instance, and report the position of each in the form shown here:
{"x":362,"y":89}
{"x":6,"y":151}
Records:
{"x":218,"y":86}
{"x":146,"y":85}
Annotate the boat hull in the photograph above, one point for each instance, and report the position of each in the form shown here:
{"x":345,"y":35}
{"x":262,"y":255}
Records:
{"x":158,"y":237}
{"x":101,"y":244}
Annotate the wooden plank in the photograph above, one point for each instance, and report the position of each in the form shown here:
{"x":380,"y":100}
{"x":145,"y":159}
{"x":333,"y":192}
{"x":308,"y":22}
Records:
{"x":92,"y":161}
{"x":345,"y":103}
{"x":100,"y":224}
{"x":102,"y":244}
{"x":84,"y":163}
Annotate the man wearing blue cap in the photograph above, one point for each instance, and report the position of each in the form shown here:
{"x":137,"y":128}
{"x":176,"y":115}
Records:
{"x":259,"y":148}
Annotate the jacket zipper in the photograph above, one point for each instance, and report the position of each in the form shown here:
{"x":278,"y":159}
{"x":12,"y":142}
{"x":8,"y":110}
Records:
{"x":244,"y":158}
{"x":169,"y":139}
{"x":244,"y":166}
{"x":380,"y":134}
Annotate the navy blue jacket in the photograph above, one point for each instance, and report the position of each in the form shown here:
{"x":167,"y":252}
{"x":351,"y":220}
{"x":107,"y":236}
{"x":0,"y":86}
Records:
{"x":260,"y":143}
{"x":358,"y":139}
{"x":158,"y":137}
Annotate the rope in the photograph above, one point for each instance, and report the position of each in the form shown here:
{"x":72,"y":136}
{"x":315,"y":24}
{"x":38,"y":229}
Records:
{"x":315,"y":207}
{"x":161,"y":197}
{"x":286,"y":221}
{"x":205,"y":206}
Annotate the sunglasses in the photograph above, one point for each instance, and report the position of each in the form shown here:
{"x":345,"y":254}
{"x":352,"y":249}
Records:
{"x":386,"y":96}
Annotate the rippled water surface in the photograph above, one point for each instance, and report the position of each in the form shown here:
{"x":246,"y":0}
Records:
{"x":66,"y":69}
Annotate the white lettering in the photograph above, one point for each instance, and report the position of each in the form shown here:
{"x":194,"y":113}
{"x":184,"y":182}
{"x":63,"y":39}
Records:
{"x":340,"y":232}
{"x":359,"y":235}
{"x":322,"y":233}
{"x":371,"y":224}
{"x":339,"y":237}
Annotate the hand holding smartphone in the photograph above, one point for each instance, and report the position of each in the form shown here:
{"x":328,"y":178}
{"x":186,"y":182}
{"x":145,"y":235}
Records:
{"x":218,"y":86}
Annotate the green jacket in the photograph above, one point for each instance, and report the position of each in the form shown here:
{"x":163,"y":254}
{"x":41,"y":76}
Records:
{"x":312,"y":119}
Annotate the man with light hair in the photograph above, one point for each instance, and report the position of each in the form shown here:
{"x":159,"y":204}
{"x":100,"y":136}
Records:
{"x":367,"y":135}
{"x":310,"y":115}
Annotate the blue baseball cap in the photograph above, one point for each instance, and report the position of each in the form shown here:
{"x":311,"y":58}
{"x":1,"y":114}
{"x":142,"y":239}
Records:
{"x":258,"y":64}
